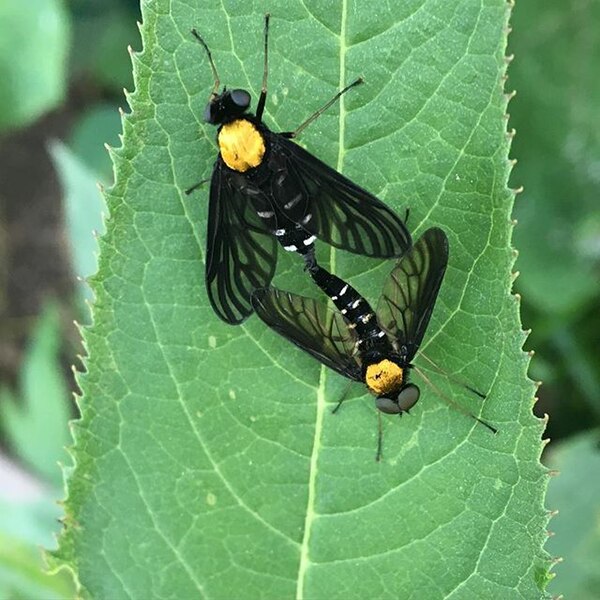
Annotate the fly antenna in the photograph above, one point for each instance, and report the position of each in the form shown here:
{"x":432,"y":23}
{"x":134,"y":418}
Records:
{"x":451,"y":402}
{"x":318,"y":113}
{"x":452,"y":377}
{"x":217,"y":83}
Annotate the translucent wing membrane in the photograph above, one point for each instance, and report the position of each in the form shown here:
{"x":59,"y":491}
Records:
{"x":341,"y":212}
{"x":411,"y":289}
{"x":240,"y":255}
{"x":310,"y":325}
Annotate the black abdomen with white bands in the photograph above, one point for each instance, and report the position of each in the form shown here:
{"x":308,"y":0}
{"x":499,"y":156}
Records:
{"x":295,"y":239}
{"x":292,"y":236}
{"x":355,"y":309}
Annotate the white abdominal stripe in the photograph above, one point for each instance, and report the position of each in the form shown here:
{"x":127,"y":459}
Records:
{"x":295,"y":240}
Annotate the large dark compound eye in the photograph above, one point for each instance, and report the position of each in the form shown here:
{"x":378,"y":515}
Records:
{"x":387,"y":405}
{"x":209,"y":113}
{"x":241,"y":98}
{"x":408,"y":397}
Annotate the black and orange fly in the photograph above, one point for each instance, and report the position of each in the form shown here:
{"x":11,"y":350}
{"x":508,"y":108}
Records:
{"x":266,"y":189}
{"x":372,"y":347}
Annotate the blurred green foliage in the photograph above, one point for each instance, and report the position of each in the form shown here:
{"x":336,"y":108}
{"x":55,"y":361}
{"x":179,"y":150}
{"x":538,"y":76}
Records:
{"x":36,"y":430}
{"x":575,"y":494}
{"x":557,"y":53}
{"x":36,"y":70}
{"x":36,"y":426}
{"x":84,"y":207}
{"x":33,"y":48}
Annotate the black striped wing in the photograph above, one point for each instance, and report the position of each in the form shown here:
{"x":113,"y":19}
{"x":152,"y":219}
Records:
{"x":240,"y":255}
{"x":310,"y":325}
{"x":342,"y":213}
{"x":411,"y":289}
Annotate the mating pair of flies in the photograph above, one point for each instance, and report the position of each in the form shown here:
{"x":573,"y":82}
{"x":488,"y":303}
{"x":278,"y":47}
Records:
{"x":266,"y":190}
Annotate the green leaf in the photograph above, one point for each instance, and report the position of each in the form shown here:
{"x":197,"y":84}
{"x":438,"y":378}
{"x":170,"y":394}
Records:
{"x":33,"y":53}
{"x":575,"y":494}
{"x":208,"y":463}
{"x":111,"y":24}
{"x":557,"y":48}
{"x":36,"y":426}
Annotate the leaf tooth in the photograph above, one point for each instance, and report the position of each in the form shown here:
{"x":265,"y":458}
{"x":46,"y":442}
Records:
{"x":554,"y":472}
{"x":552,"y":513}
{"x":510,"y":95}
{"x":509,"y":58}
{"x":127,"y":95}
{"x":115,"y":155}
{"x":537,"y":384}
{"x":510,"y":134}
{"x":518,"y":190}
{"x":550,"y":533}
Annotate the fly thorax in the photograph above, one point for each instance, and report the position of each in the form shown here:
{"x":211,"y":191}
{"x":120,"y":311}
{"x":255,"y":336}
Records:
{"x":384,"y":377}
{"x":241,"y":144}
